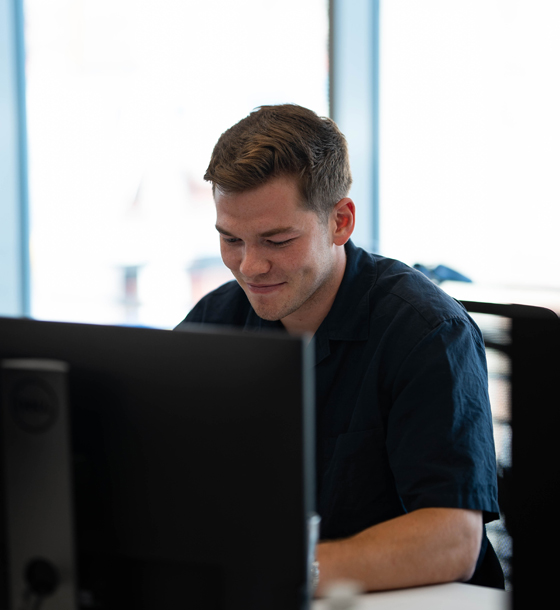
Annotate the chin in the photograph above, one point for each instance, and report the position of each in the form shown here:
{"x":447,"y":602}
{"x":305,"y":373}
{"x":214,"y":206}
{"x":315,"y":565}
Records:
{"x":266,"y":311}
{"x":265,"y":314}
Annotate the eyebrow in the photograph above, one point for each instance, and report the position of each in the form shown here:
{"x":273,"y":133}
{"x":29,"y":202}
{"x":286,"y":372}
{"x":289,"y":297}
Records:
{"x":264,"y":234}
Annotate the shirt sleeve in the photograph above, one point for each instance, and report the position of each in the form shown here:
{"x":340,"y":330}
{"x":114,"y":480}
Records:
{"x":439,"y":436}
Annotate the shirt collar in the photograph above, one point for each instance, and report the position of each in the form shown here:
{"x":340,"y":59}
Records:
{"x":348,"y":319}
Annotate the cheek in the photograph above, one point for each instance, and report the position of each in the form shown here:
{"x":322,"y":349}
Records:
{"x":300,"y":260}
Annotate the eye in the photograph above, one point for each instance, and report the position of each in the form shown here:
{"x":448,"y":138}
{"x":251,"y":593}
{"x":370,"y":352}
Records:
{"x":230,"y":240}
{"x":279,"y":244}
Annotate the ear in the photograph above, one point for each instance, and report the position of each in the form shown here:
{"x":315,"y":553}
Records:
{"x":343,"y":219}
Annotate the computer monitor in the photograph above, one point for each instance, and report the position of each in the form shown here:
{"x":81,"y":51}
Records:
{"x":191,"y":466}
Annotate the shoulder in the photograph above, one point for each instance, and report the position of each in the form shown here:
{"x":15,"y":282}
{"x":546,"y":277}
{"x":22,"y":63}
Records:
{"x":226,"y":305}
{"x":400,"y":302}
{"x":400,"y":288}
{"x":390,"y":299}
{"x":416,"y":319}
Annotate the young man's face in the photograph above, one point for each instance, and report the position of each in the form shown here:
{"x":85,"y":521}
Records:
{"x":282,"y":255}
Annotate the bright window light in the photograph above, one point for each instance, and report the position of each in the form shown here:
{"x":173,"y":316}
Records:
{"x":470,"y":138}
{"x":126,"y":99}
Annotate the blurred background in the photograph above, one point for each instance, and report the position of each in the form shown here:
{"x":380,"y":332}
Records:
{"x":449,"y":106}
{"x":125,"y":101}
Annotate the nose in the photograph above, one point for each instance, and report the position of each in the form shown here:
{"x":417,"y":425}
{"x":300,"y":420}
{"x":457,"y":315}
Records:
{"x":253,"y":262}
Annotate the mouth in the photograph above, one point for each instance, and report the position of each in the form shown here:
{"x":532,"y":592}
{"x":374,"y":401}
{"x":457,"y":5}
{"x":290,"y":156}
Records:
{"x":264,"y":288}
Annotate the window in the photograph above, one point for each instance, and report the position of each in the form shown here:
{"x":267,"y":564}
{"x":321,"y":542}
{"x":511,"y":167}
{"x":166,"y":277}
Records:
{"x":125,"y":102}
{"x":469,"y":132}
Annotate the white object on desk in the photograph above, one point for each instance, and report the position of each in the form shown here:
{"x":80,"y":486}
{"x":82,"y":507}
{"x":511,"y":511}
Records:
{"x":458,"y":596}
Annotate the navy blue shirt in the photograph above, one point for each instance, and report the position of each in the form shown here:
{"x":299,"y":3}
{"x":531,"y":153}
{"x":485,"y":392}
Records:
{"x":403,"y":415}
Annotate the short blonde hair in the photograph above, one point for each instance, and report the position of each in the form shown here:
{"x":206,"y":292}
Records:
{"x":284,"y":140}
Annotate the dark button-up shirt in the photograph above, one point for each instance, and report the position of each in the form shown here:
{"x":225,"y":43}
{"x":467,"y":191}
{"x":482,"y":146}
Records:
{"x":403,"y":416}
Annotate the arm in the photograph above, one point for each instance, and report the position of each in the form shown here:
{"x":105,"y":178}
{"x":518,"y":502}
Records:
{"x":426,"y":546}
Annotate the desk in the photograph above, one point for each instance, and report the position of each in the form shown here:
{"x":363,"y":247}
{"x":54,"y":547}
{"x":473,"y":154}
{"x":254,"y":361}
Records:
{"x":437,"y":597}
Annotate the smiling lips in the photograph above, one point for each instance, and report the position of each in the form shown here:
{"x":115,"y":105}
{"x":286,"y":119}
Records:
{"x":264,"y":288}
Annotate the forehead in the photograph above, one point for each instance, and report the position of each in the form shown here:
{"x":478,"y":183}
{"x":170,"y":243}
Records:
{"x":277,"y":202}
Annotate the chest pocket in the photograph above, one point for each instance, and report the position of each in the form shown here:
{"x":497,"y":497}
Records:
{"x":356,"y":488}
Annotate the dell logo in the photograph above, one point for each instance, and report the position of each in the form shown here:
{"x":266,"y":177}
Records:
{"x":34,"y":405}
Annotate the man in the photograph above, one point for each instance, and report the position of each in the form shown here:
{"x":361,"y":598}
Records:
{"x":405,"y":457}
